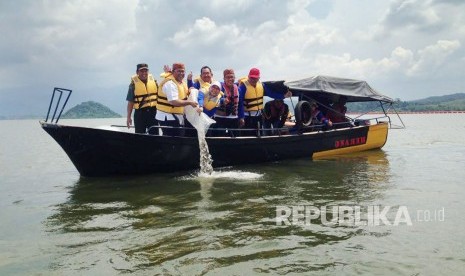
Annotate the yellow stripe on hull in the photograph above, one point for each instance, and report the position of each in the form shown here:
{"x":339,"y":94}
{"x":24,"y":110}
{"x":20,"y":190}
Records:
{"x":376,"y":138}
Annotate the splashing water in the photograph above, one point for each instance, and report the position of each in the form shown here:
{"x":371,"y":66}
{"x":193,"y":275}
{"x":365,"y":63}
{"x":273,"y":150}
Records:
{"x":220,"y":174}
{"x":201,"y":123}
{"x":236,"y":175}
{"x":205,"y":156}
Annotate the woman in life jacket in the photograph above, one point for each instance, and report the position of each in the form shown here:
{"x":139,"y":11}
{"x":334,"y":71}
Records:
{"x":317,"y":117}
{"x":209,"y":99}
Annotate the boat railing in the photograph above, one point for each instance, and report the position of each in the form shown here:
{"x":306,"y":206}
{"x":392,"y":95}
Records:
{"x":265,"y":132}
{"x":394,"y":126}
{"x":257,"y":132}
{"x":228,"y":132}
{"x":365,"y":121}
{"x":382,"y":117}
{"x":58,"y":103}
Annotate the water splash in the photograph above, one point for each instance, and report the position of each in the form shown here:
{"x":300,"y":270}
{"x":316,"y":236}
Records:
{"x":234,"y":175}
{"x":205,"y":156}
{"x":201,"y":123}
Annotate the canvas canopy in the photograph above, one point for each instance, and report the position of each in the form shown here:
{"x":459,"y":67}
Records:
{"x":331,"y":88}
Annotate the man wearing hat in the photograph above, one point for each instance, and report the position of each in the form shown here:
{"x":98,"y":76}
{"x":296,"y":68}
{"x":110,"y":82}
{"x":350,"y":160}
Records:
{"x":142,"y":97}
{"x":226,"y":113}
{"x":251,"y":93}
{"x":172,"y":97}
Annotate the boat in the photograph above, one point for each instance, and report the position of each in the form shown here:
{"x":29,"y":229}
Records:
{"x":105,"y":152}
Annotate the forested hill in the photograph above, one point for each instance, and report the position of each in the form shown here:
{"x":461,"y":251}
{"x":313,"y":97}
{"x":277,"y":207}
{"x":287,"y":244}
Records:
{"x":446,"y":102}
{"x":452,"y":102}
{"x":90,"y":110}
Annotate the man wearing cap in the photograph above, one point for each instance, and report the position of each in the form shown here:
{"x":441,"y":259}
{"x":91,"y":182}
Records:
{"x":142,"y":97}
{"x":251,"y":94}
{"x":172,"y":97}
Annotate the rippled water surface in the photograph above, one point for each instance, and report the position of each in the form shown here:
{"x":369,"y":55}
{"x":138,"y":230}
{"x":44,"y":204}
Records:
{"x":53,"y":222}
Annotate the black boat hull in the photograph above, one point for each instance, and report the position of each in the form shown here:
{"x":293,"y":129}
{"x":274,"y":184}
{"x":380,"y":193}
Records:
{"x":99,"y":152}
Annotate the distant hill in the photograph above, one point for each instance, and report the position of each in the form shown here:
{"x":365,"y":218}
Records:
{"x":90,"y":109}
{"x":452,"y":102}
{"x":441,"y":99}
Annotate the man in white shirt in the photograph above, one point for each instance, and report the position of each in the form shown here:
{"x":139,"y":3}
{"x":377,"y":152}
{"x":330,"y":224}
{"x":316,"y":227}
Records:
{"x":172,"y":97}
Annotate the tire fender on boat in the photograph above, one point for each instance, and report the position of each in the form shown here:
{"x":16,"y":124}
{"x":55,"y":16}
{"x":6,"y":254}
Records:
{"x":303,"y":113}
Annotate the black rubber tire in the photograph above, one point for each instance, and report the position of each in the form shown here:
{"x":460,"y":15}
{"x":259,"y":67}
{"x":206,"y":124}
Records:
{"x":303,"y":113}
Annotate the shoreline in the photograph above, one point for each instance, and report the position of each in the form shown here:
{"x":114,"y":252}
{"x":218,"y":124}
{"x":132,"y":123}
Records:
{"x":413,"y":112}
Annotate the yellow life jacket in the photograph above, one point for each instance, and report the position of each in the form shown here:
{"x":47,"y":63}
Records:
{"x":253,"y":98}
{"x":145,"y":95}
{"x":165,"y":74}
{"x":210,"y":103}
{"x":163,"y":103}
{"x":241,"y":80}
{"x":203,"y":85}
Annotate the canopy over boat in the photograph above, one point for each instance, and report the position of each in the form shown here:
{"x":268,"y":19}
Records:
{"x":100,"y":152}
{"x":324,"y":87}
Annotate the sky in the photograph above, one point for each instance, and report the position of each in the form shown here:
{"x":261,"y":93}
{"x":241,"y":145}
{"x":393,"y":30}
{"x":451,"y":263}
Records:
{"x":406,"y":49}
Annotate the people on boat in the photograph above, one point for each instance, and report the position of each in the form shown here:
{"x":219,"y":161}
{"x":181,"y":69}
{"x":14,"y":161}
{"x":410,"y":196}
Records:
{"x":142,"y":97}
{"x":275,"y":114}
{"x":226,"y":114}
{"x":209,"y":99}
{"x":317,"y":117}
{"x":337,"y":112}
{"x":251,"y":92}
{"x":172,"y":97}
{"x":202,"y":82}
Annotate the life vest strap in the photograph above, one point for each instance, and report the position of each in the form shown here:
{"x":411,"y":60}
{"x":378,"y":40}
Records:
{"x":253,"y":105}
{"x":253,"y":99}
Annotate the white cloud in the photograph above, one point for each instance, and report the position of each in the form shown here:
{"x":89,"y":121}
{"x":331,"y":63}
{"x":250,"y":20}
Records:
{"x":432,"y":57}
{"x":224,"y":6}
{"x":418,"y":15}
{"x":90,"y":45}
{"x":204,"y":32}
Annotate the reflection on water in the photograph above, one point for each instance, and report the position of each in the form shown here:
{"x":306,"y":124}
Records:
{"x":222,"y":224}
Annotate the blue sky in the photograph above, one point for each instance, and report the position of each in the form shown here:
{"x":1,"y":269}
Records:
{"x":407,"y":49}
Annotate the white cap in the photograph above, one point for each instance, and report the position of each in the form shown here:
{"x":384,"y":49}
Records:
{"x":217,"y":83}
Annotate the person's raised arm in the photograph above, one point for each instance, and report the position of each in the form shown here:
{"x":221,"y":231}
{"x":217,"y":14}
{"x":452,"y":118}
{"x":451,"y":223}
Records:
{"x":275,"y":94}
{"x":190,"y":83}
{"x":240,"y":109}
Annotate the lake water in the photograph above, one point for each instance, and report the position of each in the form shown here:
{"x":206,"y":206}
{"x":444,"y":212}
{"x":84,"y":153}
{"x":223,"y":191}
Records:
{"x":53,"y":222}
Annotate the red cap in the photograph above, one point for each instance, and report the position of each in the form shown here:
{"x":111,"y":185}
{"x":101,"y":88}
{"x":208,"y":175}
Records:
{"x":254,"y":73}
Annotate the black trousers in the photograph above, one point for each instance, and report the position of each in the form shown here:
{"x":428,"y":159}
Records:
{"x":267,"y":124}
{"x":253,"y":122}
{"x":144,"y":118}
{"x":230,"y":123}
{"x":171,"y":131}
